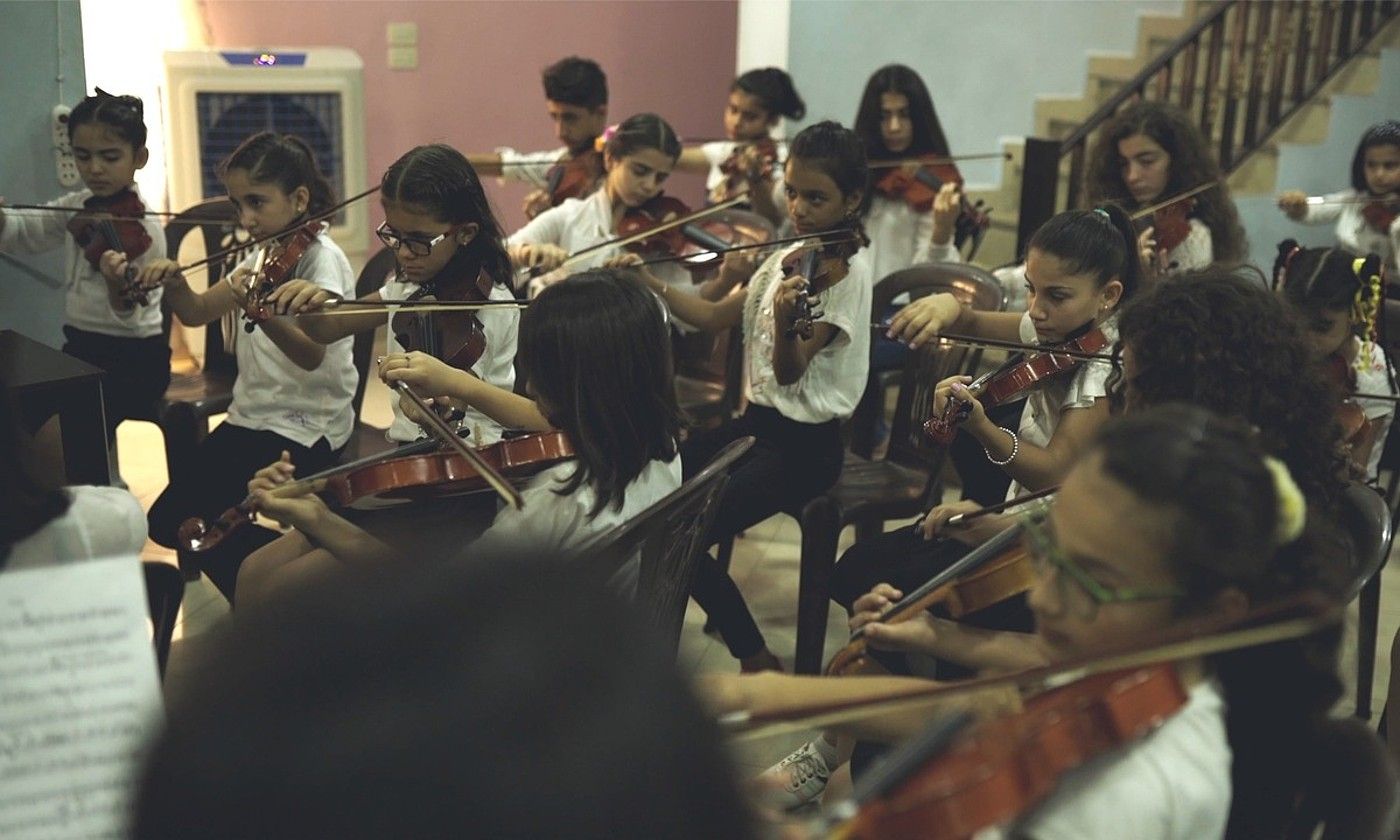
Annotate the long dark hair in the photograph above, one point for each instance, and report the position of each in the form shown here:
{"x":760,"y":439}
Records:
{"x":439,"y":179}
{"x":1192,"y":164}
{"x":1381,"y":134}
{"x":774,"y":88}
{"x":29,"y":503}
{"x":839,"y":154}
{"x":1100,"y":242}
{"x":596,"y":351}
{"x":928,"y":131}
{"x":643,"y":131}
{"x":284,"y":160}
{"x":1216,"y":340}
{"x":1209,"y":475}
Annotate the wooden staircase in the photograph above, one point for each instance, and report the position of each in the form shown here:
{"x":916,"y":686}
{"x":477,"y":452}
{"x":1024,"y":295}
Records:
{"x":1265,"y":97}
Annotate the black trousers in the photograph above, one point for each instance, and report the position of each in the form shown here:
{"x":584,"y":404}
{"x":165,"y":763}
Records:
{"x":136,"y":371}
{"x":790,"y":464}
{"x":218,"y":480}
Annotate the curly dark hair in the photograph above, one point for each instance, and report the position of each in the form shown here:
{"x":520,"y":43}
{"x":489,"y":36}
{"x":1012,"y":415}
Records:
{"x":1214,"y":339}
{"x":1192,"y":164}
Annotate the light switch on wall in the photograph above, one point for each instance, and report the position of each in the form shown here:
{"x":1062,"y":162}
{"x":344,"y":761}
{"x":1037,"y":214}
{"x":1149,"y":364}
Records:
{"x":403,"y":34}
{"x":403,"y":58}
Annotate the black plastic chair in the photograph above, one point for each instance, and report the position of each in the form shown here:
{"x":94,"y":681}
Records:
{"x":191,"y":399}
{"x":1369,"y":522}
{"x":668,"y":536}
{"x":165,"y":589}
{"x":1352,"y":792}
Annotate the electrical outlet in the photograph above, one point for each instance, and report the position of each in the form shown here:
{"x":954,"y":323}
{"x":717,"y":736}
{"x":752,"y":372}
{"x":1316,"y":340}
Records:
{"x":63,"y":150}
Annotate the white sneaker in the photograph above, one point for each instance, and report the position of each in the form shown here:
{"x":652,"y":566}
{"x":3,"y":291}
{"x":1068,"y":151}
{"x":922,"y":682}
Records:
{"x":803,"y":774}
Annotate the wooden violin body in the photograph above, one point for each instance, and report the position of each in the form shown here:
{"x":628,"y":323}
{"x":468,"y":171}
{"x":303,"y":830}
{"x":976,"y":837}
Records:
{"x":820,"y":265}
{"x":1014,"y":378}
{"x":1381,"y":213}
{"x":1001,"y":768}
{"x":749,"y":164}
{"x":918,"y":186}
{"x":113,"y":223}
{"x":576,"y":177}
{"x":393,"y":479}
{"x":277,"y":268}
{"x":457,"y":338}
{"x":1171,"y":224}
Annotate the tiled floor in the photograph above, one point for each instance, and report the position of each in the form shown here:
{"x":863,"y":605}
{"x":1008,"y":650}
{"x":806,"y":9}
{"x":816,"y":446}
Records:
{"x":765,"y":564}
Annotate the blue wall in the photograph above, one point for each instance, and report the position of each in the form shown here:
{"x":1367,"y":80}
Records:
{"x":42,"y":43}
{"x":984,"y":61}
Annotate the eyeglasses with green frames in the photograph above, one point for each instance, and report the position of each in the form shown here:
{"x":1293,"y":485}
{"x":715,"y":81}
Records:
{"x":1046,"y":554}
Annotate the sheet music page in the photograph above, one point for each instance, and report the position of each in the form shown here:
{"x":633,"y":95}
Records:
{"x":79,"y":698}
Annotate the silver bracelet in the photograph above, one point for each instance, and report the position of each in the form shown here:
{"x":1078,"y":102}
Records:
{"x":1015,"y":447}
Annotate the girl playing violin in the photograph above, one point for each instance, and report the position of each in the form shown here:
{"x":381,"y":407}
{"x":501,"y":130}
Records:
{"x":750,"y":159}
{"x":897,"y":121}
{"x":105,"y":323}
{"x":1337,"y":296}
{"x":1367,"y":216}
{"x":801,"y":384}
{"x":638,"y":155}
{"x":1151,"y":151}
{"x":1172,"y":514}
{"x":440,"y":227}
{"x":596,"y":356}
{"x":576,"y":97}
{"x":1080,"y":267}
{"x":292,"y":394}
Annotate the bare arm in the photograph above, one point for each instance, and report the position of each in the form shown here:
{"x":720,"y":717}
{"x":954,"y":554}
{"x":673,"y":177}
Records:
{"x":928,"y":317}
{"x":706,"y":315}
{"x":693,"y":159}
{"x":486,"y":163}
{"x":433,"y":378}
{"x":1037,"y":467}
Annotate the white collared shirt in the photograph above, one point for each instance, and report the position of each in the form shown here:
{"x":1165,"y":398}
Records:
{"x":529,"y":167}
{"x":272,"y":393}
{"x":86,"y":303}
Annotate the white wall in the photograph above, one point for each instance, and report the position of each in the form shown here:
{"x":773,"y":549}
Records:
{"x":984,"y":61}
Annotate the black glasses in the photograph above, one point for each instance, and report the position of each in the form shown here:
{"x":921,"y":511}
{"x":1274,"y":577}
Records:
{"x":417,"y":246}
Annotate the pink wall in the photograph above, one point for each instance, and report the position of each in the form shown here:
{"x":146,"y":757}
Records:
{"x":477,"y":84}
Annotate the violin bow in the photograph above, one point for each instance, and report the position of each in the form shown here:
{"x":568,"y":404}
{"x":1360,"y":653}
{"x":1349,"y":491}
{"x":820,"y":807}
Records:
{"x":935,"y":161}
{"x":1290,"y":618}
{"x":954,"y":338}
{"x":374,"y":307}
{"x":444,"y":433}
{"x":319,"y":217}
{"x":1392,"y":198}
{"x":1001,"y":507}
{"x":624,"y":241}
{"x":1148,"y":211}
{"x":769,"y":244}
{"x":95,"y":215}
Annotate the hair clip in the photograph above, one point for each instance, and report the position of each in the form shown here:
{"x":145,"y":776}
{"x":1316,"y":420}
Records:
{"x":1103,"y":212}
{"x":608,"y":134}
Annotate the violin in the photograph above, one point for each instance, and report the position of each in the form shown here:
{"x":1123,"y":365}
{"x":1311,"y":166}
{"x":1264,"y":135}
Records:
{"x":1018,"y":375}
{"x":273,"y":268}
{"x":1171,"y":224}
{"x":458,"y":340}
{"x":575,"y":177}
{"x":1381,"y":213}
{"x":750,"y":163}
{"x":918,"y":186}
{"x":989,"y":574}
{"x":823,"y":264}
{"x":425,"y":472}
{"x":112,"y":223}
{"x":992,"y":772}
{"x":1357,"y":428}
{"x":693,"y":244}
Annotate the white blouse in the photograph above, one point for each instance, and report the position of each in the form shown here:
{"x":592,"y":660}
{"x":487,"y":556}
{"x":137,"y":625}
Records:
{"x":835,"y":378}
{"x":901,"y":236}
{"x":1353,"y":231}
{"x":1374,"y":376}
{"x":1050,"y":399}
{"x":718,"y":151}
{"x":272,"y":393}
{"x":1172,"y":784}
{"x":86,"y":303}
{"x":496,"y":365}
{"x":581,"y":223}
